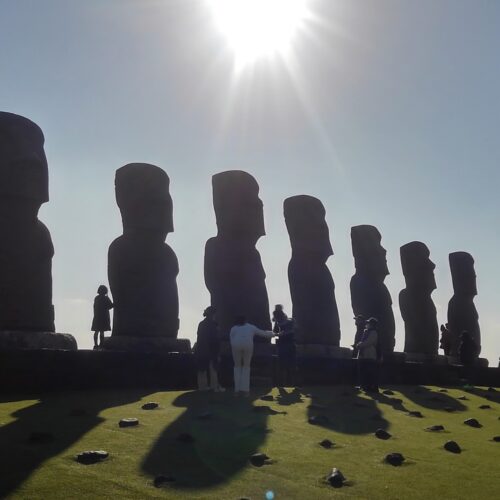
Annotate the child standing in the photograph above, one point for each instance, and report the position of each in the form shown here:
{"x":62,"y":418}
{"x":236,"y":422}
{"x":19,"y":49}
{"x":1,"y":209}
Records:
{"x":101,"y":322}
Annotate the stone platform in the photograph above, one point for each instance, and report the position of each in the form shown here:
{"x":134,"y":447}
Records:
{"x":13,"y":340}
{"x":146,"y":344}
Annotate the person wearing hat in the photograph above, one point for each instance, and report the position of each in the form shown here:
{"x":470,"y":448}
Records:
{"x":206,"y":352}
{"x":359,"y":321}
{"x":367,"y":357}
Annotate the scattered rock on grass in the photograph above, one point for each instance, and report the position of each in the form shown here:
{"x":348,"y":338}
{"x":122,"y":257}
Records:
{"x":388,"y":392}
{"x":415,"y":414}
{"x":185,"y":437}
{"x":496,"y":439}
{"x":449,"y":409}
{"x":336,"y":478}
{"x":452,"y":446}
{"x":128,"y":422}
{"x":472,"y":422}
{"x":485,"y":407}
{"x":395,"y":459}
{"x":318,"y":420}
{"x":259,"y":459}
{"x":160,"y":481}
{"x":435,"y":428}
{"x":92,"y":457}
{"x":326,"y":443}
{"x":40,"y":437}
{"x":267,"y":397}
{"x":150,"y":406}
{"x":443,"y":390}
{"x":463,"y":398}
{"x":382,"y":434}
{"x":491,"y":389}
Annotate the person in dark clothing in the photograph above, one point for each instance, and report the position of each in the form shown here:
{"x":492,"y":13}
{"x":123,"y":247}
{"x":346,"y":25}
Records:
{"x":285,"y":344}
{"x":467,"y":349}
{"x":101,"y":322}
{"x":207,"y":352}
{"x":367,"y":357}
{"x":360,"y":323}
{"x":445,"y":341}
{"x":279,"y":316}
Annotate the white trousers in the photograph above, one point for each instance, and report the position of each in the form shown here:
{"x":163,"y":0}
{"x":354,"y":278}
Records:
{"x":242,"y":356}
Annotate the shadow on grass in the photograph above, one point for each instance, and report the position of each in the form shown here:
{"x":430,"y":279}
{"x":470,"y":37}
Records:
{"x":434,"y":400}
{"x":347,"y":411}
{"x":51,"y":414}
{"x":493,"y":396}
{"x":226,"y":431}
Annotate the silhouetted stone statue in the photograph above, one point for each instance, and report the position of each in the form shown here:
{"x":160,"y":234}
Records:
{"x":311,"y":284}
{"x":142,"y":268}
{"x":462,"y":313}
{"x":234,"y":274}
{"x":415,"y":302}
{"x":26,"y":250}
{"x":369,"y":296}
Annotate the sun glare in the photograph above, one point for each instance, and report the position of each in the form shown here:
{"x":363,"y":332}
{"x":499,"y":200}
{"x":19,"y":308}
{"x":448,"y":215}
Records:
{"x":256,"y":29}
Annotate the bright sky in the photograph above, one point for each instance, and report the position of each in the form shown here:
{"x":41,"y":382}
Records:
{"x":387,"y":111}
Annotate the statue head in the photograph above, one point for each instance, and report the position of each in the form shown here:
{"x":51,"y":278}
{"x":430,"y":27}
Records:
{"x":142,"y":194}
{"x":369,"y":254}
{"x":463,"y":274}
{"x":418,"y":269}
{"x":24,"y":174}
{"x":238,"y":208}
{"x":306,"y":225}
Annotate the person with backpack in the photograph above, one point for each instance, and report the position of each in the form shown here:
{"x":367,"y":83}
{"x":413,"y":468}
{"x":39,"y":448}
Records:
{"x":368,"y":357}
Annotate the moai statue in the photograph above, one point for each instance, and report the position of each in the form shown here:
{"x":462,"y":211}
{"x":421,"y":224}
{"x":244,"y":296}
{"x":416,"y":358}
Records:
{"x":26,"y":250}
{"x":462,"y":313}
{"x":369,"y":296}
{"x":234,"y":274}
{"x":311,"y":284}
{"x":415,"y":302}
{"x":142,"y":268}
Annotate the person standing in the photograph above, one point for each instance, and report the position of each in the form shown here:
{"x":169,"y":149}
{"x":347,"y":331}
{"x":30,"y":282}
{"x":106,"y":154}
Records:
{"x":279,"y":317}
{"x":241,"y":337}
{"x":445,"y":341}
{"x":207,"y":352}
{"x":367,"y":357}
{"x":360,"y":323}
{"x":101,"y":322}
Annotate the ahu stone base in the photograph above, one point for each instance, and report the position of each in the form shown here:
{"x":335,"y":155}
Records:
{"x":14,"y":340}
{"x":322,"y":351}
{"x":146,"y":344}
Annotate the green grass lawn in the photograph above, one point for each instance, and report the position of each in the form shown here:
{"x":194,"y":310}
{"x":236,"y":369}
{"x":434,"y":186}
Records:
{"x":216,"y":466}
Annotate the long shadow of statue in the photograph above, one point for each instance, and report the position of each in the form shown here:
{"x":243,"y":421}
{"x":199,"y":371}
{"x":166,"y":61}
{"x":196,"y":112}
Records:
{"x":341,"y":410}
{"x":48,"y":427}
{"x":434,"y":400}
{"x":211,"y":441}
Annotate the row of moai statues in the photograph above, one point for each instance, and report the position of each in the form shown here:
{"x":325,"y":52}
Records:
{"x":143,"y":269}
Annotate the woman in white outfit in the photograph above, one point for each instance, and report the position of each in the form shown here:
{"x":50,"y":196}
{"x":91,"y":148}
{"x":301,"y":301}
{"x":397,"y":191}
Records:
{"x":241,"y":337}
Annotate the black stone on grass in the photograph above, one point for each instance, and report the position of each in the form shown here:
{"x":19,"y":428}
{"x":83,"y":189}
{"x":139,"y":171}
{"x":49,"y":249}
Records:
{"x":259,"y":459}
{"x":267,"y":397}
{"x":395,"y":459}
{"x":185,"y":437}
{"x":463,"y":398}
{"x":452,"y":446}
{"x":491,"y":389}
{"x":336,"y":478}
{"x":388,"y":392}
{"x":150,"y":406}
{"x":449,"y":409}
{"x":92,"y":457}
{"x":318,"y":420}
{"x":128,"y":422}
{"x":496,"y":439}
{"x":382,"y":434}
{"x":327,"y":444}
{"x":415,"y":414}
{"x":162,"y":480}
{"x":435,"y":428}
{"x":472,"y":422}
{"x":485,"y":407}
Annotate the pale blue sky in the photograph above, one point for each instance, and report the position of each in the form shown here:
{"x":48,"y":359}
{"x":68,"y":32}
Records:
{"x":389,"y":113}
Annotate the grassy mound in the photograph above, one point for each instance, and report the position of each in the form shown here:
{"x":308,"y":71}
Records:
{"x":219,"y":433}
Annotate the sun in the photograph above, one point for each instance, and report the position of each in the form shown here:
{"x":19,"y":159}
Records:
{"x":257,"y":29}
